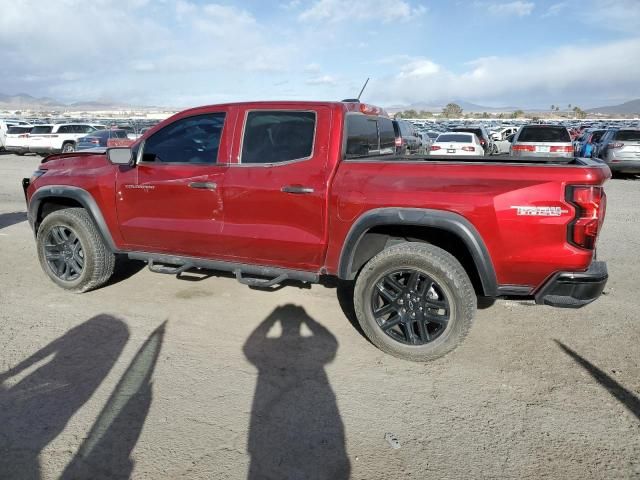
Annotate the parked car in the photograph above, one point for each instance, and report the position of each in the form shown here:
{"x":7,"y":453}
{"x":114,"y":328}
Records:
{"x":483,"y":135}
{"x":408,"y":140}
{"x":542,"y":141}
{"x":620,"y":149}
{"x":503,"y":132}
{"x":458,"y":143}
{"x":5,"y":125}
{"x":17,"y":139}
{"x":55,"y":138}
{"x":583,"y":146}
{"x":415,"y":241}
{"x":104,"y":138}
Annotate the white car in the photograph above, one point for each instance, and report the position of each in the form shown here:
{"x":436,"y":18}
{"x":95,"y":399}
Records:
{"x":56,"y":138}
{"x":503,"y":132}
{"x":17,"y":139}
{"x":4,"y":127}
{"x":457,"y":144}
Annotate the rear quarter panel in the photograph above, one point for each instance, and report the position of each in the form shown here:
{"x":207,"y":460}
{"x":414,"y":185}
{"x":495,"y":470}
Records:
{"x":524,"y":249}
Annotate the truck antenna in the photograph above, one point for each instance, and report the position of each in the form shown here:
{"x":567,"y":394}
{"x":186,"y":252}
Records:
{"x":363,"y":87}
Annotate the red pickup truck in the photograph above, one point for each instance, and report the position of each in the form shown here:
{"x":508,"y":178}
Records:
{"x":276,"y":191}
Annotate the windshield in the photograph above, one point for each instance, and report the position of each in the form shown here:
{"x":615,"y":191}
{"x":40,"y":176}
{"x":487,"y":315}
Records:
{"x":544,"y":134}
{"x":454,"y":138}
{"x":40,"y":129}
{"x":628,"y":135}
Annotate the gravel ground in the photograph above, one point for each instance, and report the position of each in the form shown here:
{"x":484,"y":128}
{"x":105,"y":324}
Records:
{"x":157,"y":377}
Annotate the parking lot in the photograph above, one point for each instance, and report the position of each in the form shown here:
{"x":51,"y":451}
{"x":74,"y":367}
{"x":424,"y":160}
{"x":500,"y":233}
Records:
{"x":156,"y":377}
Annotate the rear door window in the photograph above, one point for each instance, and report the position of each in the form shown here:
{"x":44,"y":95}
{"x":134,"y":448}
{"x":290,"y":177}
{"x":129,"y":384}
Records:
{"x":278,"y":136}
{"x":544,"y":134}
{"x":41,"y":129}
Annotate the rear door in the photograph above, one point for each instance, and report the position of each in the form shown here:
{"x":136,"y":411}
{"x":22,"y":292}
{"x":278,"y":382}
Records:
{"x":275,"y":192}
{"x":171,"y":201}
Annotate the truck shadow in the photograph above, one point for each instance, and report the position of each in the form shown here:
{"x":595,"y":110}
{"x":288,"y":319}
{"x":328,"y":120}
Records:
{"x":624,"y":396}
{"x":40,"y":394}
{"x":8,"y":219}
{"x":295,"y":429}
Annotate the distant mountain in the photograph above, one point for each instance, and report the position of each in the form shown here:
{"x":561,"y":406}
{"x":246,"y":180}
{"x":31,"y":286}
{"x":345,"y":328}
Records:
{"x":23,"y":101}
{"x":467,"y":107}
{"x":627,"y":108}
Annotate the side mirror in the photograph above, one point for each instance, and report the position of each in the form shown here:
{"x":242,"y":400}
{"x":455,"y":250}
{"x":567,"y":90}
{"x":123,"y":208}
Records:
{"x":119,"y":155}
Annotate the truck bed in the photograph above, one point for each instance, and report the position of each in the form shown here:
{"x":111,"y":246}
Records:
{"x":502,"y":159}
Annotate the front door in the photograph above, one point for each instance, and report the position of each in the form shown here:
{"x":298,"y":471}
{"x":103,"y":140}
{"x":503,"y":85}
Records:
{"x":275,"y":195}
{"x":171,"y":201}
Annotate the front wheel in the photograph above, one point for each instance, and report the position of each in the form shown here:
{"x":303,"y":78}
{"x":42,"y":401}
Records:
{"x":72,"y":252}
{"x":414,"y":301}
{"x":68,"y":148}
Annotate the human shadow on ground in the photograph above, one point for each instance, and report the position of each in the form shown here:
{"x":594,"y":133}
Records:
{"x":624,"y":396}
{"x":8,"y":219}
{"x":106,"y":451}
{"x":295,"y":430}
{"x":56,"y":381}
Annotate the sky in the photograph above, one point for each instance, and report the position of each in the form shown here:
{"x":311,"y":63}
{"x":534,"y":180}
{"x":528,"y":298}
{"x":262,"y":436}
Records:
{"x":180,"y":53}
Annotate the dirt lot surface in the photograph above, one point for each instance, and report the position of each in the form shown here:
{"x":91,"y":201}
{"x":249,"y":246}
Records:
{"x":156,"y":377}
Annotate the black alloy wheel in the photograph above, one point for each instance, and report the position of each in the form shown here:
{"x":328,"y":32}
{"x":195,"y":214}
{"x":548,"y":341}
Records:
{"x":410,"y":307}
{"x":64,"y":253}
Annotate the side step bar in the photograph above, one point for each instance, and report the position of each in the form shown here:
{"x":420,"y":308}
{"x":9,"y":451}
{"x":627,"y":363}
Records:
{"x":174,"y":265}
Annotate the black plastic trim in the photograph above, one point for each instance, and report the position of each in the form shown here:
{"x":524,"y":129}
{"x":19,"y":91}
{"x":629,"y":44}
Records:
{"x":514,"y":290}
{"x":238,"y":269}
{"x":83,"y":197}
{"x":574,"y":289}
{"x":439,"y":219}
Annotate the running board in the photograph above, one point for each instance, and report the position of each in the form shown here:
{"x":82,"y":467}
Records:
{"x":244,"y":273}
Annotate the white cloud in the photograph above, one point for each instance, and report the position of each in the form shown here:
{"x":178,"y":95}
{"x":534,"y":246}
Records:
{"x":555,"y":9}
{"x":322,"y":80}
{"x":617,"y":15}
{"x":521,"y":79}
{"x":518,"y":8}
{"x":384,"y":11}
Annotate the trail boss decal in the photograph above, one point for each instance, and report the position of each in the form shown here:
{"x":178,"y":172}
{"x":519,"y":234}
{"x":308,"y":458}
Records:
{"x":539,"y":211}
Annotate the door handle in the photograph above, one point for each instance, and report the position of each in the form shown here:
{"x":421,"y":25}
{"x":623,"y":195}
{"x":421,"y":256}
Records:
{"x":297,"y":189}
{"x":204,"y":185}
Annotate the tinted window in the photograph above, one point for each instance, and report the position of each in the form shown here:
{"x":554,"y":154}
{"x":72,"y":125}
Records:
{"x":66,"y":129}
{"x":362,"y":136}
{"x":597,"y":136}
{"x":451,"y":137}
{"x":274,"y":137}
{"x":544,"y":134}
{"x":18,"y":130}
{"x":387,"y":136}
{"x":628,"y":135}
{"x":40,"y":129}
{"x":477,"y":131}
{"x":189,"y":140}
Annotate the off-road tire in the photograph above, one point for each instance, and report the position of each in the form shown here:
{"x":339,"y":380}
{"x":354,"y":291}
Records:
{"x":99,"y":260}
{"x":445,"y":270}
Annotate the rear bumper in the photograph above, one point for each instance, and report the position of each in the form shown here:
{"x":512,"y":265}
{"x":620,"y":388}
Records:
{"x":574,"y":289}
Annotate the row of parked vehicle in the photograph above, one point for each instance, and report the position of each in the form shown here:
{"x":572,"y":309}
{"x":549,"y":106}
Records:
{"x":44,"y":139}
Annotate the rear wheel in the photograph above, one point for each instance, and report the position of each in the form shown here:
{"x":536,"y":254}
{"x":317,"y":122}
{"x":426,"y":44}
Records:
{"x":414,"y":301}
{"x":68,"y":147}
{"x":71,"y":251}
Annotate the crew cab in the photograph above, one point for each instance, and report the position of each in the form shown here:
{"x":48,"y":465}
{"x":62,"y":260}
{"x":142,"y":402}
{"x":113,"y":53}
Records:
{"x":302,"y":191}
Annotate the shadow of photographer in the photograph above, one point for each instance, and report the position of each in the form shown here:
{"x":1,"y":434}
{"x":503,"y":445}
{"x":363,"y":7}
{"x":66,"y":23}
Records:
{"x":295,"y":428}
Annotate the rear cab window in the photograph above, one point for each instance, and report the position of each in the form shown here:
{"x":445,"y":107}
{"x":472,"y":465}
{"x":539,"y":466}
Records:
{"x":368,"y":136}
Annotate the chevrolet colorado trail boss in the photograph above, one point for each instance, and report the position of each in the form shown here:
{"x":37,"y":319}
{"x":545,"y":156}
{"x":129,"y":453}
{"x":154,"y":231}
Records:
{"x":276,"y":191}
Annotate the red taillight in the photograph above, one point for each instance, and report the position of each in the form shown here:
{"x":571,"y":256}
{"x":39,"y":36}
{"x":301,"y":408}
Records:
{"x":482,"y":142}
{"x":95,"y":141}
{"x":398,"y":141}
{"x":435,"y":147}
{"x":469,"y":149}
{"x":523,"y":148}
{"x":616,"y":145}
{"x":590,"y":203}
{"x":562,"y":149}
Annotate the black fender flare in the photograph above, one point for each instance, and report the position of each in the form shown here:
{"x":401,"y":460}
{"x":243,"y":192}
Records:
{"x":438,"y":219}
{"x":80,"y":195}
